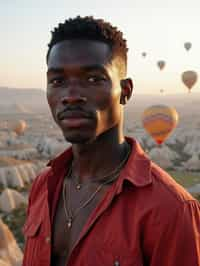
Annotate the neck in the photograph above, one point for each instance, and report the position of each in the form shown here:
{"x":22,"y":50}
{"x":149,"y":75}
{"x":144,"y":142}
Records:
{"x":99,"y":158}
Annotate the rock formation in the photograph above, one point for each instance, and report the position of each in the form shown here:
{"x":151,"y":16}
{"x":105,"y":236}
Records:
{"x":11,"y":199}
{"x":10,"y":253}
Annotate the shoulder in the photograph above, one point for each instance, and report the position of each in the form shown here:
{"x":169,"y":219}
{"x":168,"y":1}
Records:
{"x":168,"y":201}
{"x":171,"y":219}
{"x":166,"y":204}
{"x":153,"y":187}
{"x":167,"y":188}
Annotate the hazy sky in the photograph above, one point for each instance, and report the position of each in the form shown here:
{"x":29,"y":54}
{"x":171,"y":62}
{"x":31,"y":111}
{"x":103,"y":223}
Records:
{"x":157,"y":27}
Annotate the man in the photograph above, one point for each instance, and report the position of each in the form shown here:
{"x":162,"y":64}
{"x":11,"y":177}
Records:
{"x":102,"y":202}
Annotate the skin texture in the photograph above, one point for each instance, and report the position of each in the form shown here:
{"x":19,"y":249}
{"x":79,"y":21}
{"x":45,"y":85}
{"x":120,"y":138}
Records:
{"x":84,"y":82}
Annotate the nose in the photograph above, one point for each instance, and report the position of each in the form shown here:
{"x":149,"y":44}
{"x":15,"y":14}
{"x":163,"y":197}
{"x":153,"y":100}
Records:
{"x":73,"y":99}
{"x":72,"y":94}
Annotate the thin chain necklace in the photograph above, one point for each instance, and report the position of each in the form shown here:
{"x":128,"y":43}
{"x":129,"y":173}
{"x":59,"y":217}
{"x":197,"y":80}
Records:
{"x":70,"y":216}
{"x":79,"y":185}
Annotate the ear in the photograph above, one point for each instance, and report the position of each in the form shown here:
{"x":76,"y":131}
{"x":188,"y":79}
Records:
{"x":127,"y":90}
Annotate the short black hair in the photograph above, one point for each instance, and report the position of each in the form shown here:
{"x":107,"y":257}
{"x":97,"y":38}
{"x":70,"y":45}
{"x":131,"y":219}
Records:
{"x":91,"y":29}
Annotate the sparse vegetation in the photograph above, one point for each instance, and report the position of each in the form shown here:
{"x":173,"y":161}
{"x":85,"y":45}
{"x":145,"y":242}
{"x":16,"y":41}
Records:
{"x":186,"y":179}
{"x":15,"y":221}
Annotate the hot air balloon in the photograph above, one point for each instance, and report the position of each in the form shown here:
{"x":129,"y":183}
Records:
{"x":189,"y":78}
{"x":161,"y":64}
{"x":144,"y":54}
{"x":187,"y":45}
{"x":162,"y":90}
{"x":159,"y":121}
{"x":19,"y":127}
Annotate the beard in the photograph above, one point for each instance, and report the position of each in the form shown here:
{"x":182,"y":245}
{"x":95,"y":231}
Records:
{"x":78,"y":137}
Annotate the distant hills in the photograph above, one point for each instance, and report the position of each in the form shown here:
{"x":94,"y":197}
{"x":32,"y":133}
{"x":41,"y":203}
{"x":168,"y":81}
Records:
{"x":22,"y":100}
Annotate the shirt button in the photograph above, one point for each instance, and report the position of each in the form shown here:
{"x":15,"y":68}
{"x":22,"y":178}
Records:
{"x":116,"y":263}
{"x":48,"y":239}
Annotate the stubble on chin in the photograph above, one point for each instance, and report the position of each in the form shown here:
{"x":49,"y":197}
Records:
{"x":78,"y":139}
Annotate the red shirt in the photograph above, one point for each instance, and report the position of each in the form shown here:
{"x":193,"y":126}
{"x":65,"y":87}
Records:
{"x":145,"y":219}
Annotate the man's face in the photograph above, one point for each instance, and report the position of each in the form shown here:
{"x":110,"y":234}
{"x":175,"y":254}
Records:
{"x":83,"y":89}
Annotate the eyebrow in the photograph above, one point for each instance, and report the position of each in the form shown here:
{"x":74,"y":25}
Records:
{"x":55,"y":70}
{"x":95,"y":67}
{"x":87,"y":68}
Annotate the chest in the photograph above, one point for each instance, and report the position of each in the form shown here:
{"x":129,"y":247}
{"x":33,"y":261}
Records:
{"x":113,"y":234}
{"x":65,"y":237}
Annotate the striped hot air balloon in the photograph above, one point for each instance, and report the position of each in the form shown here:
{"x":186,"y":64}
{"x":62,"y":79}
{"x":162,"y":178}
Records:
{"x":159,"y":121}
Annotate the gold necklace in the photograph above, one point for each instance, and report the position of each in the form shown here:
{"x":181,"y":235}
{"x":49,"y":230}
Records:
{"x":70,"y":216}
{"x":68,"y":212}
{"x":79,"y":185}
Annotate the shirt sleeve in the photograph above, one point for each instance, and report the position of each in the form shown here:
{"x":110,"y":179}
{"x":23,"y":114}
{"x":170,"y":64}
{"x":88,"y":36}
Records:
{"x":173,"y":239}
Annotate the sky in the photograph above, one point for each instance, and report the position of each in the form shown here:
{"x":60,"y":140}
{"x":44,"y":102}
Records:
{"x":156,"y":27}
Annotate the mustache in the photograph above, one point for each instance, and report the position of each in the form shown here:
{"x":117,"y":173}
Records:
{"x":61,"y":114}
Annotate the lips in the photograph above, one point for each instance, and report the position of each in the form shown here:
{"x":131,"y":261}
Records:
{"x":74,"y":118}
{"x":73,"y":115}
{"x":75,"y":122}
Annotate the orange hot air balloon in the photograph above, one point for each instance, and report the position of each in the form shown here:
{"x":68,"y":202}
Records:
{"x":189,"y":78}
{"x":19,"y":127}
{"x":144,"y":54}
{"x":187,"y":45}
{"x":161,"y":64}
{"x":159,"y":121}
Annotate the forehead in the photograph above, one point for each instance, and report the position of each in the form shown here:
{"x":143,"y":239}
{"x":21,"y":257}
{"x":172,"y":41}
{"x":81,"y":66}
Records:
{"x":79,"y":53}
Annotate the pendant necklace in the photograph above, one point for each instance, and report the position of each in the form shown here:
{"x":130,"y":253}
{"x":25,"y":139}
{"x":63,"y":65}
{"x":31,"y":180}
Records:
{"x":66,"y":191}
{"x":70,"y":216}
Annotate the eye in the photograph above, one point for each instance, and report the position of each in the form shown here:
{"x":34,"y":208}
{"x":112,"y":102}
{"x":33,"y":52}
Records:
{"x":56,"y":81}
{"x":96,"y":78}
